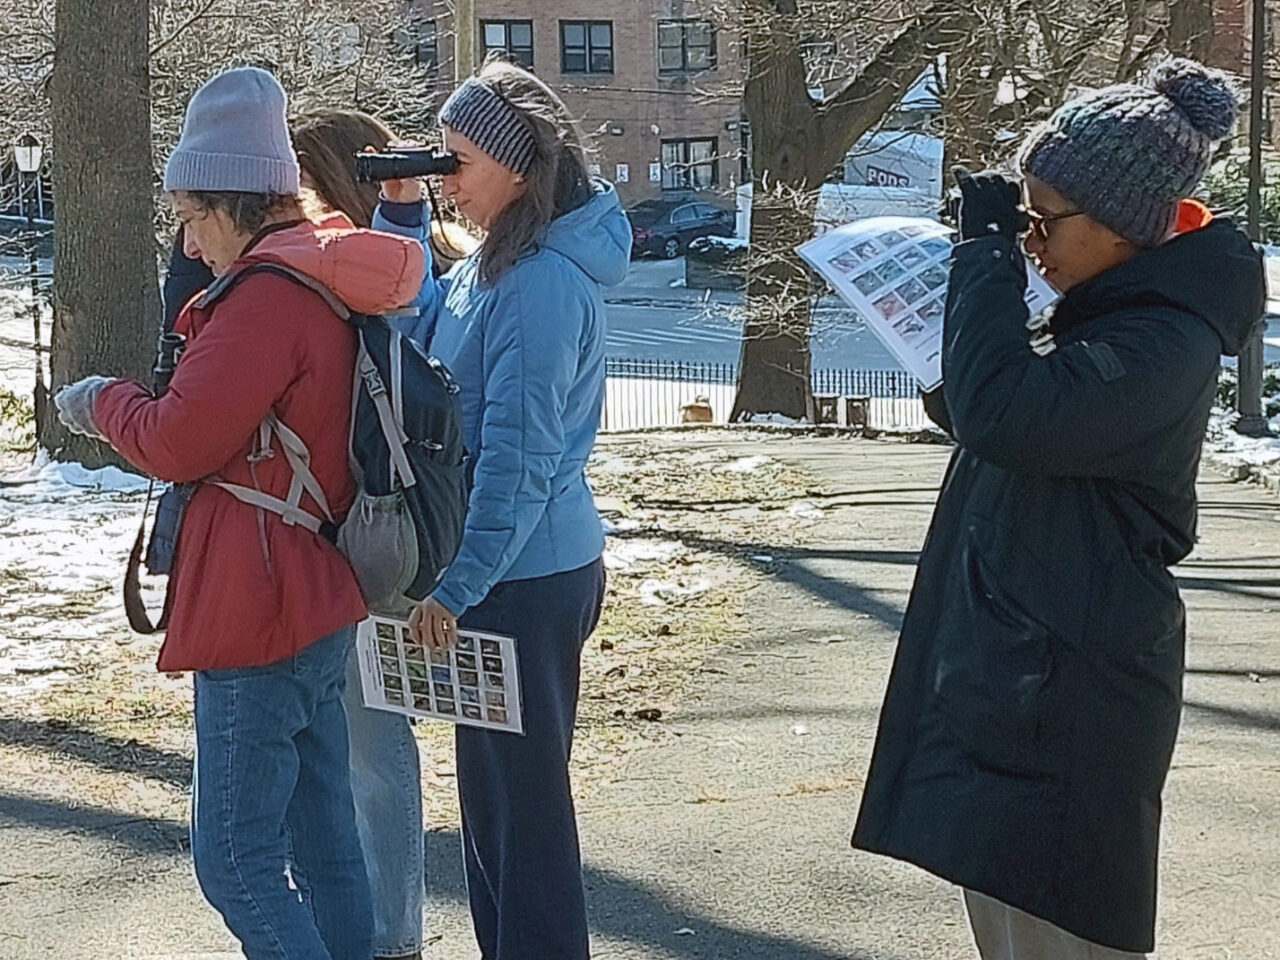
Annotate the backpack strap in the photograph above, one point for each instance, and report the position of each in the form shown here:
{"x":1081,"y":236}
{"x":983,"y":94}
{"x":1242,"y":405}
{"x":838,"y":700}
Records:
{"x":224,"y":284}
{"x":292,"y":514}
{"x":295,"y":450}
{"x":392,"y":431}
{"x":299,"y":459}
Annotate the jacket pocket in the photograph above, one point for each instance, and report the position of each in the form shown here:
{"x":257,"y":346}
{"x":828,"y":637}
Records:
{"x":993,"y":662}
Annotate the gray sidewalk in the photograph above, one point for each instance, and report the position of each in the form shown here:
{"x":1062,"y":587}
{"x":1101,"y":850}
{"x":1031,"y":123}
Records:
{"x":728,"y":837}
{"x":757,"y":798}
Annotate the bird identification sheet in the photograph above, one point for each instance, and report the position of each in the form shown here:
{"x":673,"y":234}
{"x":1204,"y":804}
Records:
{"x":893,"y":271}
{"x":475,"y":682}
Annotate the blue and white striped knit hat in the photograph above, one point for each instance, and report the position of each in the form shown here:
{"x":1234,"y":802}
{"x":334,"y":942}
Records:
{"x":488,"y":120}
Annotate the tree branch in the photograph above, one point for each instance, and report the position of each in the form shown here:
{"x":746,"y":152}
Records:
{"x":860,"y":104}
{"x":184,"y":26}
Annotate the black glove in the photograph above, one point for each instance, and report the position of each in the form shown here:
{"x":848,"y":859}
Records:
{"x":989,"y":204}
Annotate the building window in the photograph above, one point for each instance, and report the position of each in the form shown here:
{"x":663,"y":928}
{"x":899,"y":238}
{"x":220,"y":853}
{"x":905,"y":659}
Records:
{"x":426,"y":46}
{"x":686,"y":46}
{"x":690,"y":164}
{"x":512,"y":38}
{"x":586,"y":46}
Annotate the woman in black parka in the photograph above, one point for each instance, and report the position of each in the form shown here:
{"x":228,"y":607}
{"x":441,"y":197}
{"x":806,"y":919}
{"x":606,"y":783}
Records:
{"x":1035,"y":697}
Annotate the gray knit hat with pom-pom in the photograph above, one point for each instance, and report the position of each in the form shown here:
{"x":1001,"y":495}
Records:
{"x":1127,"y":154}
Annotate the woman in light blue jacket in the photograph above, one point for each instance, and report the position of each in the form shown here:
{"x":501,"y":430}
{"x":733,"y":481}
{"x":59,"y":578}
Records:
{"x":521,"y":325}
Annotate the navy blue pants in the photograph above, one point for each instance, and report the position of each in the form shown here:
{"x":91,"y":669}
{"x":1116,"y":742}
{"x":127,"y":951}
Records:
{"x":519,"y":835}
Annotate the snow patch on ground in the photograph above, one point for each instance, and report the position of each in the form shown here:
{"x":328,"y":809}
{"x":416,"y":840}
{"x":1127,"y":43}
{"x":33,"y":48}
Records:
{"x":805,"y":510}
{"x":612,"y":526}
{"x":1261,"y":454}
{"x":745,"y":464}
{"x":65,"y":534}
{"x":625,"y":554}
{"x":779,"y":419}
{"x":52,"y":480}
{"x":657,"y":593}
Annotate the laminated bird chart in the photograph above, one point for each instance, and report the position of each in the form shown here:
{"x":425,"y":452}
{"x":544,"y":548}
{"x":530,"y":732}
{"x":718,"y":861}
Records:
{"x":475,"y":682}
{"x":893,"y":271}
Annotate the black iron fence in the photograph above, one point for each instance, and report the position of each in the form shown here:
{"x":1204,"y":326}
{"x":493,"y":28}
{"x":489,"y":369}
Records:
{"x":655,"y":393}
{"x":877,"y":384}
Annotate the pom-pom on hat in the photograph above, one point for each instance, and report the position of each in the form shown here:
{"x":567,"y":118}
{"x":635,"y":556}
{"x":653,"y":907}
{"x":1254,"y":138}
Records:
{"x":1127,"y":154}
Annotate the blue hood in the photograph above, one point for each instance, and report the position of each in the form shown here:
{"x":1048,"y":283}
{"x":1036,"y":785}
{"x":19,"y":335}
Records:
{"x":596,"y":236}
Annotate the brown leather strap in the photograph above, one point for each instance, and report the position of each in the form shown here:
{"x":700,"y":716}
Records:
{"x":135,"y":610}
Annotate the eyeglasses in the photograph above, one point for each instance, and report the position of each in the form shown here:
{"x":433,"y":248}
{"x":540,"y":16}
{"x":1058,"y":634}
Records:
{"x":1039,"y":223}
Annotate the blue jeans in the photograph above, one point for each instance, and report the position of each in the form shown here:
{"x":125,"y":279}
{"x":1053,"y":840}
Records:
{"x":273,"y":832}
{"x":387,"y":788}
{"x":519,"y":834}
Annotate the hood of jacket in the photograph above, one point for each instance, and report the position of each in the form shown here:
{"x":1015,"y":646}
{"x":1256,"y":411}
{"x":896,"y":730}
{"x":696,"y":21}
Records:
{"x":1214,"y":272}
{"x":369,"y":271}
{"x":595,"y":236}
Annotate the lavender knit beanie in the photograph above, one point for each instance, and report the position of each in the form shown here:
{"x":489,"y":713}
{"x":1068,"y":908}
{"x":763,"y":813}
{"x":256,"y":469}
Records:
{"x":1127,"y":154}
{"x":235,"y":137}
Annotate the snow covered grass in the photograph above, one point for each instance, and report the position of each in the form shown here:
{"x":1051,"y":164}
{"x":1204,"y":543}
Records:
{"x":1250,"y":455}
{"x":1257,"y":453}
{"x":65,"y":533}
{"x":726,"y":244}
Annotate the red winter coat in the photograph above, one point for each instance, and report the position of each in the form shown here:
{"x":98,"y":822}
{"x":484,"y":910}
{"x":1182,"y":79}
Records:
{"x":269,"y":344}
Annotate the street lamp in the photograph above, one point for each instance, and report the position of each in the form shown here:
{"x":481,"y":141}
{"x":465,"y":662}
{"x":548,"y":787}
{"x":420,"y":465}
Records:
{"x":27,"y":156}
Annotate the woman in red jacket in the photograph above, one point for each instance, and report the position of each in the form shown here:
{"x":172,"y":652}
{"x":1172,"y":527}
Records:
{"x":261,"y":608}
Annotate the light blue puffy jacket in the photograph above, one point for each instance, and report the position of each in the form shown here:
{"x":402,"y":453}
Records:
{"x":528,"y":355}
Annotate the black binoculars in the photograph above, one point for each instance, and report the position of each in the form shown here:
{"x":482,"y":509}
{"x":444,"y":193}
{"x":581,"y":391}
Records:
{"x":403,"y":164}
{"x":169,"y":350}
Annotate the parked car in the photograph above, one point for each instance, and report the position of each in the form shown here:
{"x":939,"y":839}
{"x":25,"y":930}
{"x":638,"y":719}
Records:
{"x":663,"y":228}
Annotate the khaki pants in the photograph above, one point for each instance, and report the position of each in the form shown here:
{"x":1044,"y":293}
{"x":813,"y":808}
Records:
{"x":1006,"y":933}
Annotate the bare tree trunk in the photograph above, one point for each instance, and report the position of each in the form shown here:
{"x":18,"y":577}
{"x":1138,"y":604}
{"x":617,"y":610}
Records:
{"x":106,"y":298}
{"x":795,"y":144}
{"x":775,"y":373}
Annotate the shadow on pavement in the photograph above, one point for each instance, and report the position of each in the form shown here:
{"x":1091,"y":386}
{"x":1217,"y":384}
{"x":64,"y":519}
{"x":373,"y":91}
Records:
{"x":625,"y":908}
{"x":1236,"y":717}
{"x":66,"y":740}
{"x":792,"y":568}
{"x":146,"y":835}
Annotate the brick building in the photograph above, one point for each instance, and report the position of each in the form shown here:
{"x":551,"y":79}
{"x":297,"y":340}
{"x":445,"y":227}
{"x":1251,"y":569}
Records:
{"x":655,"y":84}
{"x":1229,"y":47}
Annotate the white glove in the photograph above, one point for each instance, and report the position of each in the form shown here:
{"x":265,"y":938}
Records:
{"x":75,"y":405}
